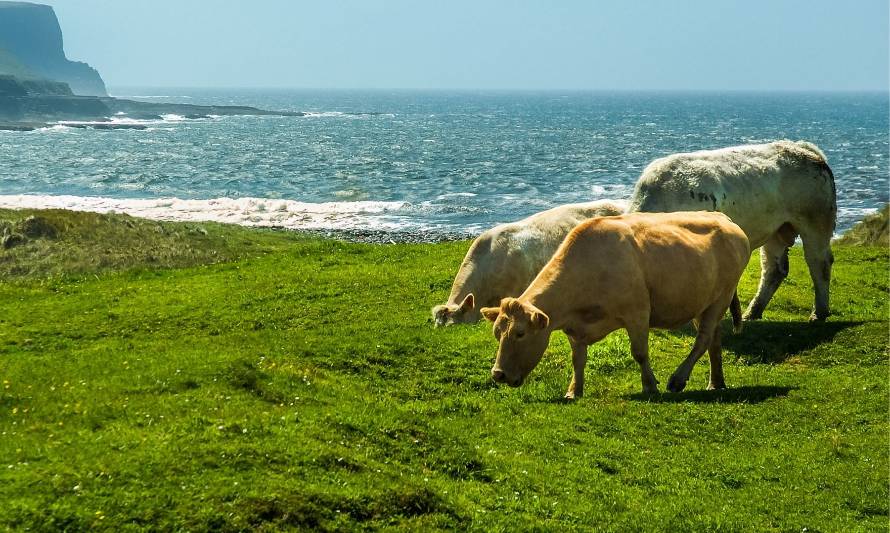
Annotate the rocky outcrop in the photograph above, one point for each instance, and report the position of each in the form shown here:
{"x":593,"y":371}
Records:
{"x":29,"y":112}
{"x":149,"y":110}
{"x":12,"y":86}
{"x":31,"y":38}
{"x":48,"y":108}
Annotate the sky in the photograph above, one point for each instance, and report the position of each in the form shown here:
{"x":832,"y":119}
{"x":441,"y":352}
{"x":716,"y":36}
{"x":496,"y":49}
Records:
{"x":483,"y":44}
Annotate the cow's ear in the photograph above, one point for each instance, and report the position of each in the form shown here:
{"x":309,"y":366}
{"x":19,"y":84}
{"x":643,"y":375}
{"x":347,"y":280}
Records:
{"x":491,"y":313}
{"x":468,"y":303}
{"x":539,"y":320}
{"x":440,"y":314}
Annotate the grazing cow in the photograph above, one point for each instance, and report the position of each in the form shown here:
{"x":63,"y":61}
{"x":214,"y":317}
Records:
{"x":636,"y":271}
{"x":505,"y":259}
{"x":774,"y":192}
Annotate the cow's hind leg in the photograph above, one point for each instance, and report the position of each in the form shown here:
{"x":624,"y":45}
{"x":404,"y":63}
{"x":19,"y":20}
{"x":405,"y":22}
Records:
{"x":639,"y":348}
{"x":817,"y":251}
{"x":707,"y":324}
{"x":773,"y":270}
{"x":715,"y":353}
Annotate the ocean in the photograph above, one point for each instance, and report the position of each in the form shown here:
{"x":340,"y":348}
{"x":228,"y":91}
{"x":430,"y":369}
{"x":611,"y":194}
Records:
{"x":423,"y":161}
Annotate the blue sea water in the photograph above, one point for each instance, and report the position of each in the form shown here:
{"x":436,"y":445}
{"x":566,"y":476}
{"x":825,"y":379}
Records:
{"x":428,"y":161}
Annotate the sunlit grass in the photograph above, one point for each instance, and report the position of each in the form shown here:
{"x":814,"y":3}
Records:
{"x":303,"y":386}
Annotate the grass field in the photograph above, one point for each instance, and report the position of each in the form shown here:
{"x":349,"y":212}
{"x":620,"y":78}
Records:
{"x":299,"y":383}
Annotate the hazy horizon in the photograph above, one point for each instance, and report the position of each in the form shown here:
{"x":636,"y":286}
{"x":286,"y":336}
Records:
{"x":495,"y":89}
{"x":758,"y":46}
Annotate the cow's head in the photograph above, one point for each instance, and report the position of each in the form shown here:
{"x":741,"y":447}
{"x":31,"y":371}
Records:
{"x":444,"y":315}
{"x":523,"y":332}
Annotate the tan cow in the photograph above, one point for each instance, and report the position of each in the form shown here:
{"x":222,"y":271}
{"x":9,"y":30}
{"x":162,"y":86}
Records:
{"x":773,"y":191}
{"x":636,"y":271}
{"x":505,"y":259}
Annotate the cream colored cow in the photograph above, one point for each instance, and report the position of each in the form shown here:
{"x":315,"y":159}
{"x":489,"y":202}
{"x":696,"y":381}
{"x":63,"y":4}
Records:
{"x":773,"y":191}
{"x":505,"y":259}
{"x":636,"y":271}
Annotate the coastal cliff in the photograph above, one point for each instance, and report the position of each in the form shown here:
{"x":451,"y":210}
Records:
{"x":32,"y":47}
{"x":39,"y":85}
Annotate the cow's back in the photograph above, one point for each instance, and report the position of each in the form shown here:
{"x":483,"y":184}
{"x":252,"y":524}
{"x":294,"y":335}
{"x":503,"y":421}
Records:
{"x":503,"y":260}
{"x":676,"y":263}
{"x":760,"y":187}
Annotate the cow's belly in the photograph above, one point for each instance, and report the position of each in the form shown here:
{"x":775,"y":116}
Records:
{"x":672,"y":317}
{"x":682,"y":285}
{"x":758,"y":222}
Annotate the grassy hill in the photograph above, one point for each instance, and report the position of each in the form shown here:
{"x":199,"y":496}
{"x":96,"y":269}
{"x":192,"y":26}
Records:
{"x":288,"y":382}
{"x":873,"y":230}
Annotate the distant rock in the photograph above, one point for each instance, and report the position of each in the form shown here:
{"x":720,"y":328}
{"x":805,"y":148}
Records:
{"x":33,"y":108}
{"x":12,"y":240}
{"x":153,"y":110}
{"x":14,"y":86}
{"x":35,"y":227}
{"x":31,"y":38}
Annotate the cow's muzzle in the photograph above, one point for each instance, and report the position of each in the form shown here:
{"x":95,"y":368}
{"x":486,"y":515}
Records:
{"x":499,"y":376}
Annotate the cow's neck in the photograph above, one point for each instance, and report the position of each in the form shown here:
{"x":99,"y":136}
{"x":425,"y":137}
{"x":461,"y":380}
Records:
{"x":551,"y":292}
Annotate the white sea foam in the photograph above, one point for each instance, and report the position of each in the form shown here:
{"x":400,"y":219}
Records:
{"x":264,"y":212}
{"x":150,"y":96}
{"x":456,"y":195}
{"x":57,"y":128}
{"x":112,"y":120}
{"x":321,"y":114}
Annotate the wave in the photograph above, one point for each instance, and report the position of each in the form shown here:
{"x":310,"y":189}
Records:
{"x":262,"y":212}
{"x":345,"y":114}
{"x":121,"y":122}
{"x":150,"y":96}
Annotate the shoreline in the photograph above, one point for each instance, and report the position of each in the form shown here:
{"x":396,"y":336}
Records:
{"x":380,"y":235}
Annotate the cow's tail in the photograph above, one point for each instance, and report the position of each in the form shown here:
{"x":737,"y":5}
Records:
{"x":817,"y":156}
{"x":735,"y":309}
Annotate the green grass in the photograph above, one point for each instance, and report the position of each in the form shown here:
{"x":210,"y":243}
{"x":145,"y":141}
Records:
{"x":301,"y":385}
{"x":58,"y":242}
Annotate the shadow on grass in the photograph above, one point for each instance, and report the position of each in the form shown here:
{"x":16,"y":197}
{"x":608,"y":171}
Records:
{"x":746,"y":394}
{"x":774,"y":342}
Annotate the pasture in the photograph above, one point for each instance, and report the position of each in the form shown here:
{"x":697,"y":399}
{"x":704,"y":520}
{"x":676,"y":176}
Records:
{"x":194,"y":377}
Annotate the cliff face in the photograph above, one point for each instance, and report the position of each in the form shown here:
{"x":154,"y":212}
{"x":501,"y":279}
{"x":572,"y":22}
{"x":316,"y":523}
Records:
{"x":31,"y":34}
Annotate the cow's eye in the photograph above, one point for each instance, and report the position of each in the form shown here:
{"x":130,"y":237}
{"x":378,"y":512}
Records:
{"x":520,"y":334}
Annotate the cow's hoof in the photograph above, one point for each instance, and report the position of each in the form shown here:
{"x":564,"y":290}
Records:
{"x":716,"y":386}
{"x":675,"y":384}
{"x":748,"y":317}
{"x":818,"y":317}
{"x":571,"y":396}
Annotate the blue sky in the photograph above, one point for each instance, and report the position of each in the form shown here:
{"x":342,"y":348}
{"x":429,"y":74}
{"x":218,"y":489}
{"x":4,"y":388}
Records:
{"x":483,"y":44}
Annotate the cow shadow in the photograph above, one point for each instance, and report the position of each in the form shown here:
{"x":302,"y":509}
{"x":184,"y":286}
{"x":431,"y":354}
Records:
{"x":773,"y":342}
{"x":751,"y":394}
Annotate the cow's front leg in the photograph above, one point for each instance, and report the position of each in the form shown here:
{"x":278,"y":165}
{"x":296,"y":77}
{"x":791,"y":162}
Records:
{"x":579,"y":361}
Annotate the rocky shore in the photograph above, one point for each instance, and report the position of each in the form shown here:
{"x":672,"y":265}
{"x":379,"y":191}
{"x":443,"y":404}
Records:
{"x":30,"y":112}
{"x":385,"y":237}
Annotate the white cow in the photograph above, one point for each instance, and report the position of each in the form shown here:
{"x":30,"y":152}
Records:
{"x":773,"y":191}
{"x":502,"y":261}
